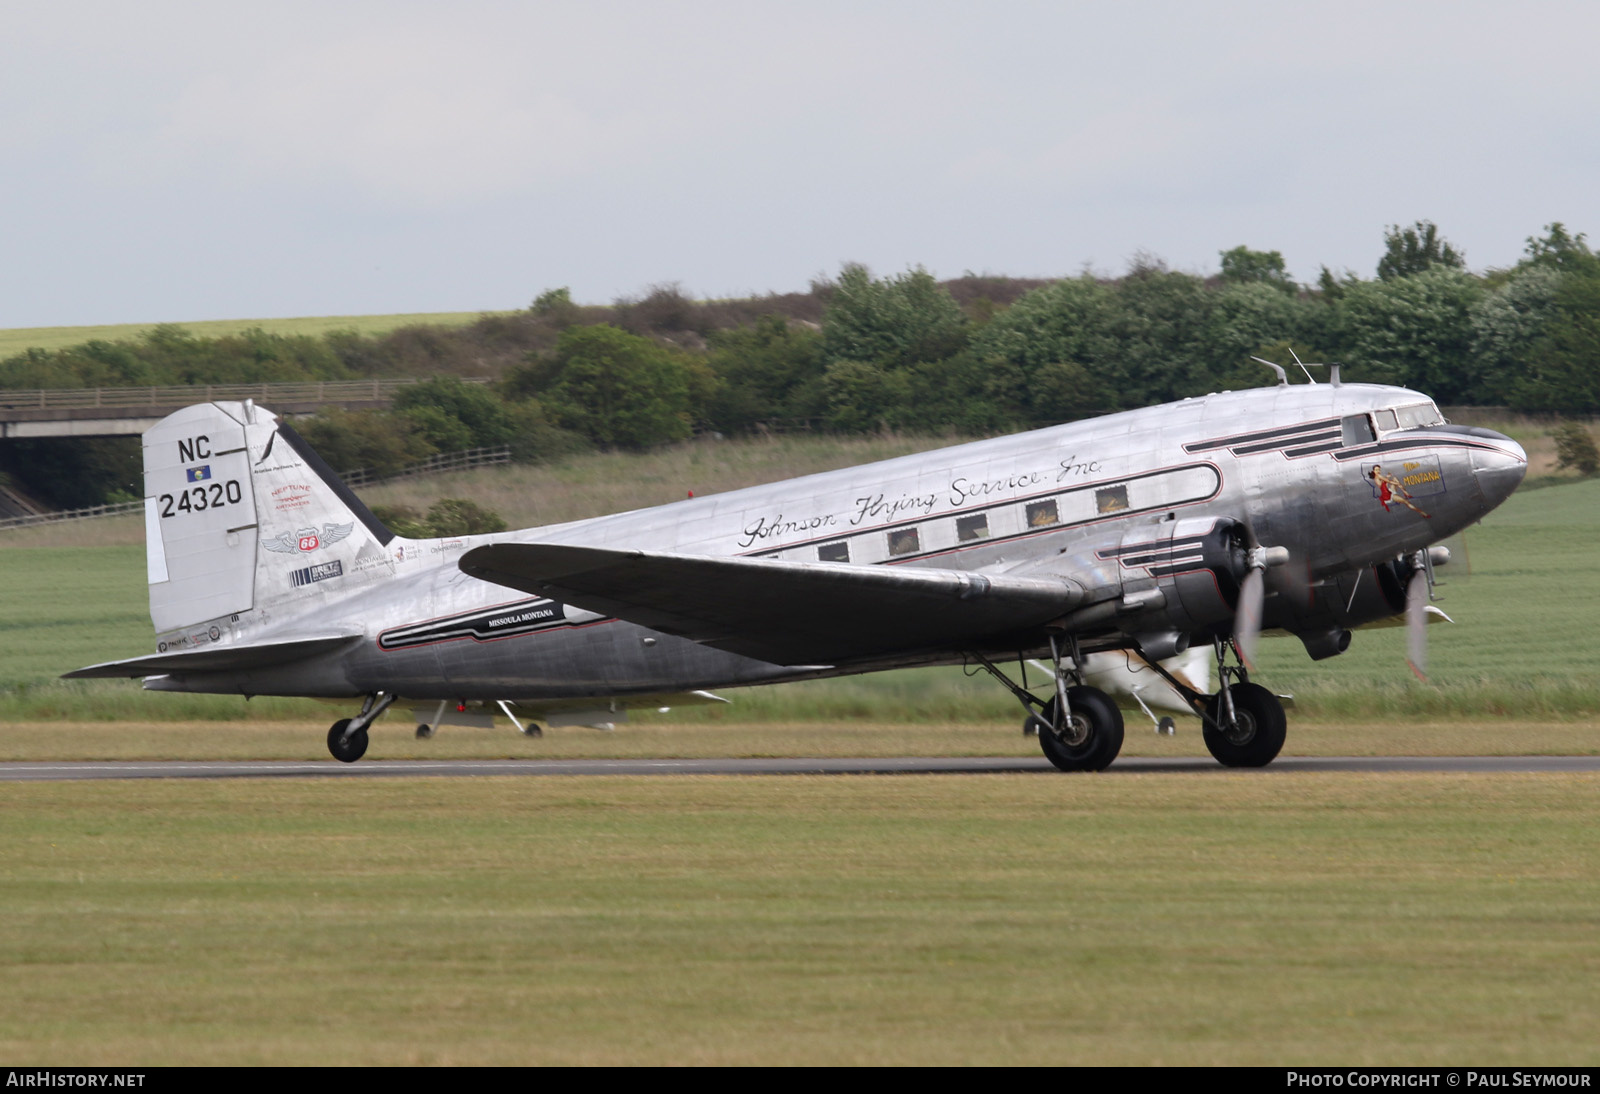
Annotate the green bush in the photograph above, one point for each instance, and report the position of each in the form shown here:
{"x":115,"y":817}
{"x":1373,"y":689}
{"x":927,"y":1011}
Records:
{"x":615,"y":388}
{"x":446,"y":517}
{"x":1575,"y":448}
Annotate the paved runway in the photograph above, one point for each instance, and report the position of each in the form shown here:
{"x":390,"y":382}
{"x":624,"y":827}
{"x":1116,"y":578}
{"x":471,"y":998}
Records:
{"x":908,"y":765}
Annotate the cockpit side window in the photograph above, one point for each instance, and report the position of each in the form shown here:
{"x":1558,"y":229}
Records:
{"x":1386,"y":420}
{"x":1357,"y":430}
{"x":1418,"y":414}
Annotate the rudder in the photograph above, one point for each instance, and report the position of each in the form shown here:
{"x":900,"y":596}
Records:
{"x":243,"y":518}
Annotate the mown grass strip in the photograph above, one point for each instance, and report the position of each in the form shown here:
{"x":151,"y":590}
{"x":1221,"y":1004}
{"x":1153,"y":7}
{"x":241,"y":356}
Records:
{"x":1248,"y":919}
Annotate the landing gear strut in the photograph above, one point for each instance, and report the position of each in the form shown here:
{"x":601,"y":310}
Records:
{"x":1252,"y":734}
{"x":1243,"y":723}
{"x":1079,"y":727}
{"x":347,"y":738}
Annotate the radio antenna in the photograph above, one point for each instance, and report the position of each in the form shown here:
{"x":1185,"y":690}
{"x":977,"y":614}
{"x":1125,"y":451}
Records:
{"x":1283,"y":377}
{"x":1301,"y":363}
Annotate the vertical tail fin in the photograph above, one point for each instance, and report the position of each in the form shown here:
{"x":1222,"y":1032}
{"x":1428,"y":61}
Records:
{"x":242,"y":516}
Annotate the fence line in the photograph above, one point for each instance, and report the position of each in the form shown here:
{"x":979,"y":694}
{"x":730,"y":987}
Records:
{"x":116,"y":509}
{"x":433,"y":465}
{"x":184,"y":394}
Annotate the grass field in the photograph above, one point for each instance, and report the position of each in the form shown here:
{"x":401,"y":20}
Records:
{"x":1209,"y":918}
{"x":1235,"y":919}
{"x":17,"y":339}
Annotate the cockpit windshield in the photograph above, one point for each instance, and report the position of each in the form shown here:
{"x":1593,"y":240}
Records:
{"x":1408,"y":417}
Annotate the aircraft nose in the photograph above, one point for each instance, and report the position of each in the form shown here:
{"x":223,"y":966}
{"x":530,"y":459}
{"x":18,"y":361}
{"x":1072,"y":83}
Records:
{"x":1499,"y":467}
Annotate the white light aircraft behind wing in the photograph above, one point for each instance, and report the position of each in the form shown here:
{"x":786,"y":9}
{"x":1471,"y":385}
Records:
{"x":1308,"y":509}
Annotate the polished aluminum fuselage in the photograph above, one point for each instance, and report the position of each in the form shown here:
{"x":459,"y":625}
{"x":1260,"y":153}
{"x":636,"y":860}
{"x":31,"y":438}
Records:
{"x":1045,"y":503}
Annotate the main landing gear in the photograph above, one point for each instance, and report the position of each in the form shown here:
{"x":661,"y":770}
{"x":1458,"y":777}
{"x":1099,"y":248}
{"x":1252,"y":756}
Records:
{"x":1243,"y":723}
{"x":1079,"y":727}
{"x":347,"y":738}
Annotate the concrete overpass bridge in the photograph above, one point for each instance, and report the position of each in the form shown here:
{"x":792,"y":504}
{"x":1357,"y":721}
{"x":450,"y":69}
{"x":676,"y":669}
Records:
{"x":129,"y":411}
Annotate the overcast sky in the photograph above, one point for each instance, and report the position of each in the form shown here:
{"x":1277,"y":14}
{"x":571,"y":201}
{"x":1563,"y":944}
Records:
{"x":174,"y":161}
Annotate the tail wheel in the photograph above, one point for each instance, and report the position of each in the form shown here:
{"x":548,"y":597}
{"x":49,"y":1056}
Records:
{"x":1255,"y":737}
{"x":346,"y":749}
{"x":1091,"y":737}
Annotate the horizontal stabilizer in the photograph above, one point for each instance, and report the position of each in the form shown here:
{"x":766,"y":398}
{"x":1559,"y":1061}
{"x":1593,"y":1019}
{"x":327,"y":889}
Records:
{"x":787,"y":613}
{"x":216,"y":658}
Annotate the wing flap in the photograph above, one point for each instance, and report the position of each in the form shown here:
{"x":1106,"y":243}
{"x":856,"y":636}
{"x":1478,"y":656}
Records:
{"x":787,"y":613}
{"x":221,"y":658}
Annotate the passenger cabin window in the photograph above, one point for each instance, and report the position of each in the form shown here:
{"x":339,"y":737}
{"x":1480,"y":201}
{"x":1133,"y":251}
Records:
{"x":1042,"y":514}
{"x":1358,"y":430}
{"x":973,"y":527}
{"x":1113,"y":499}
{"x":904,"y":542}
{"x":834,"y":552}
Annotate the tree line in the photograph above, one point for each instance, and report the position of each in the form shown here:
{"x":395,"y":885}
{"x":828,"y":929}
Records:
{"x":976,"y":354}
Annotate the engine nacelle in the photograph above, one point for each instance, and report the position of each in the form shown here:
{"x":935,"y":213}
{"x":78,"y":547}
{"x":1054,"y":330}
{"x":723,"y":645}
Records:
{"x":1369,"y":595}
{"x":1197,"y":565}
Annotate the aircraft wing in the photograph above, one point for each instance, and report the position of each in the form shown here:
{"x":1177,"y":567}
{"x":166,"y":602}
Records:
{"x":787,"y":613}
{"x":217,"y":658}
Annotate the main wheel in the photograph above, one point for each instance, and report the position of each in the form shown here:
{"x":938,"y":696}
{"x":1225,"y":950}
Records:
{"x":1256,"y":736}
{"x":424,"y":731}
{"x":346,"y":749}
{"x":1092,"y":736}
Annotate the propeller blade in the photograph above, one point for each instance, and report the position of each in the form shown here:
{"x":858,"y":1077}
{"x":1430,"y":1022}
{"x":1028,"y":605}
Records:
{"x":1292,"y":582}
{"x":1247,"y":619}
{"x":1417,"y":624}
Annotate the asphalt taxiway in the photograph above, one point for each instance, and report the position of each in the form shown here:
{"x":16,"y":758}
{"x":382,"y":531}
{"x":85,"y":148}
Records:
{"x":56,"y":771}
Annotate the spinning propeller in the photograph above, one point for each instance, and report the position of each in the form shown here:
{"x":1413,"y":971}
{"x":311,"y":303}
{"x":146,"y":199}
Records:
{"x":1252,"y":593}
{"x":1419,"y":594}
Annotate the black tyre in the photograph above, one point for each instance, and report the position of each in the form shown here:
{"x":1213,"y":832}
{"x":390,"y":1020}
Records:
{"x":1092,"y":736}
{"x":424,"y":731}
{"x":346,"y":749}
{"x":1256,"y":737}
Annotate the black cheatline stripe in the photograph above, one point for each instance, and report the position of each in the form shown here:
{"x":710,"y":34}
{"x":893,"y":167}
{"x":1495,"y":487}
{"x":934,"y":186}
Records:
{"x":1175,"y":568}
{"x":1260,"y":435}
{"x":389,"y":642}
{"x":1404,"y":445}
{"x":1185,"y":543}
{"x":475,"y":625}
{"x":1314,"y":449}
{"x":1274,"y":446}
{"x":1160,"y":556}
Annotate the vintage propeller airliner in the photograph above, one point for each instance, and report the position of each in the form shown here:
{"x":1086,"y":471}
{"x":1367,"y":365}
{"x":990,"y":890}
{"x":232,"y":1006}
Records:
{"x":1307,"y":508}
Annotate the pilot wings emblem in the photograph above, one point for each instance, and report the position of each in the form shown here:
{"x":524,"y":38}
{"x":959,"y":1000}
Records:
{"x":307,"y":539}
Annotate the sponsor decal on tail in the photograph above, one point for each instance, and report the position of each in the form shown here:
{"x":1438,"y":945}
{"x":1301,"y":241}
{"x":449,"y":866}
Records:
{"x":240,"y":516}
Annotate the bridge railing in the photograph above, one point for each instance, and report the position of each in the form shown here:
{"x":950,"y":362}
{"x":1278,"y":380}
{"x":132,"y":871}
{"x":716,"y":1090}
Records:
{"x":315,"y":391}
